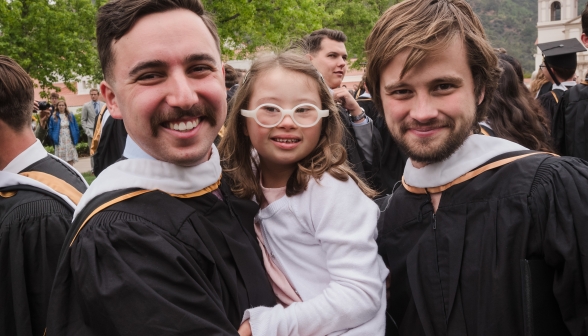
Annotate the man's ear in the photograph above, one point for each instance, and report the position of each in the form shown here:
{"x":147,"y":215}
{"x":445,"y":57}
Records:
{"x":110,"y":98}
{"x":482,"y":95}
{"x":309,"y":56}
{"x":584,"y":39}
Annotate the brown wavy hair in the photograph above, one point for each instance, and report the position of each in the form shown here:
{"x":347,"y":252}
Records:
{"x":514,"y":114}
{"x":538,"y":82}
{"x":329,"y":156}
{"x":427,"y":27}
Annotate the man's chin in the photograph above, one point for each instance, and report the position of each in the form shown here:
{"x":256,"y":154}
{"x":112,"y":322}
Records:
{"x":431,"y":150}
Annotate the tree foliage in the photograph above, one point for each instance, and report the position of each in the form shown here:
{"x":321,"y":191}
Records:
{"x":54,"y":41}
{"x":246,"y":26}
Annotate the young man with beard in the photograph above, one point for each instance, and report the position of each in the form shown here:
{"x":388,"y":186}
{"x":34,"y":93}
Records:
{"x":38,"y":195}
{"x":159,"y":245}
{"x":471,"y":208}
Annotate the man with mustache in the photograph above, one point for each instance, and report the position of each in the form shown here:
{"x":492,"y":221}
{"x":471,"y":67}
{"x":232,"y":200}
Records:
{"x":475,"y":216}
{"x":159,"y":245}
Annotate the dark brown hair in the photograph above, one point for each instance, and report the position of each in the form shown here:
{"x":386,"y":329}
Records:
{"x":117,"y":17}
{"x":16,"y":94}
{"x":514,"y":114}
{"x":329,"y":156}
{"x":311,"y":43}
{"x":426,"y":27}
{"x":231,"y":76}
{"x":54,"y":95}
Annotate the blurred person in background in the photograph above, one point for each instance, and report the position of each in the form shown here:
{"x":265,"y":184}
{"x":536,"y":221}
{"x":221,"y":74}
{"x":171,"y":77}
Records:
{"x":64,"y":132}
{"x":514,"y":114}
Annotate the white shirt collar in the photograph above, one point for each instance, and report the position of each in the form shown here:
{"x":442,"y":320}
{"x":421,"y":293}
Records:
{"x":563,"y":86}
{"x":475,"y":151}
{"x":34,"y":153}
{"x":133,"y":151}
{"x":365,"y":95}
{"x":150,"y":174}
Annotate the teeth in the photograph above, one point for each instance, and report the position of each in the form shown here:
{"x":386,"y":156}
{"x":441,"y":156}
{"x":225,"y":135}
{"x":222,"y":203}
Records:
{"x":287,"y":140}
{"x":184,"y":126}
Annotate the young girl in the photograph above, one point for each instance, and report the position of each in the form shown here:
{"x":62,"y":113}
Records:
{"x":316,"y":227}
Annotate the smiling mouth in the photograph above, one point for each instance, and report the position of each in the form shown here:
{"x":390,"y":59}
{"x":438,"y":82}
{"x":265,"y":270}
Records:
{"x":182,"y":126}
{"x":289,"y":140}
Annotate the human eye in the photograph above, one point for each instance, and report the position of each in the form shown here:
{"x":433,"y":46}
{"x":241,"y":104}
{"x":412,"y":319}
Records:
{"x":303,"y":109}
{"x":201,"y":69}
{"x":269,"y":109}
{"x":149,"y":77}
{"x":401,"y":94}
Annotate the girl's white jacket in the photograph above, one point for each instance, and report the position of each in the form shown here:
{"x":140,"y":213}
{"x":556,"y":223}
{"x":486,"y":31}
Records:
{"x":324,"y":240}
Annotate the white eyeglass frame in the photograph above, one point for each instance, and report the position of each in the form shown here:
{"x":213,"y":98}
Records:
{"x":285,"y":112}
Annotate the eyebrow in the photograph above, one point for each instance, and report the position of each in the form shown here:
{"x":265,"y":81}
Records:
{"x":158,"y":63}
{"x":444,"y":79}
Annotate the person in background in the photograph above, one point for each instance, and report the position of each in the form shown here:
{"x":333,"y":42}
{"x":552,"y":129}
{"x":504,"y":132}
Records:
{"x":90,"y":111}
{"x":559,"y":66}
{"x":64,"y":132}
{"x":514,"y":114}
{"x":38,"y":195}
{"x":43,"y":117}
{"x":540,"y":84}
{"x":570,"y":125}
{"x":231,"y":81}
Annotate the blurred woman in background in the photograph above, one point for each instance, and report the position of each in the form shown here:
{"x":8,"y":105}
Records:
{"x":515,"y":115}
{"x":64,"y":131}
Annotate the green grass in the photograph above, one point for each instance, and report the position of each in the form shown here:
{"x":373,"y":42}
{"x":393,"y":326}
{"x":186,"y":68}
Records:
{"x":89,"y":177}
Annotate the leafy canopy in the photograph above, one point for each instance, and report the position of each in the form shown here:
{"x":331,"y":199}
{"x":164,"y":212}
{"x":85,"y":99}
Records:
{"x":54,"y":41}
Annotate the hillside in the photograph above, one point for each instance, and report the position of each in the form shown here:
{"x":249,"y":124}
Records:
{"x":512,"y":25}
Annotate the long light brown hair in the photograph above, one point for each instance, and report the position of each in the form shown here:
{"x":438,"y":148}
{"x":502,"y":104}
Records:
{"x":56,"y":112}
{"x":426,"y":27}
{"x":328,"y":156}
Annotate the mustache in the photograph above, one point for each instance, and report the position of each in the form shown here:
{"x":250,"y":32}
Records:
{"x":205,"y":111}
{"x":434,"y":123}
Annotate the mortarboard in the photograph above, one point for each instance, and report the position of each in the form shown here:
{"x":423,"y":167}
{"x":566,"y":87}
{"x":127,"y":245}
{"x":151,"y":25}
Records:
{"x":561,"y":54}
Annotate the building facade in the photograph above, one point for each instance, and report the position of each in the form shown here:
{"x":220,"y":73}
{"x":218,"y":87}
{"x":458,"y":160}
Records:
{"x":559,"y":20}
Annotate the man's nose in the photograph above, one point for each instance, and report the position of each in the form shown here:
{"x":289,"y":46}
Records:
{"x":181,"y":92}
{"x":423,"y":108}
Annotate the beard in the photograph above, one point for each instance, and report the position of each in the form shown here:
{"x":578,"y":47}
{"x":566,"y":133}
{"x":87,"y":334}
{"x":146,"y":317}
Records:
{"x":205,"y":111}
{"x":425,"y":150}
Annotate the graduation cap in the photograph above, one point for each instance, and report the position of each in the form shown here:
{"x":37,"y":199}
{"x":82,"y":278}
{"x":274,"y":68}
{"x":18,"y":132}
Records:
{"x":561,"y":54}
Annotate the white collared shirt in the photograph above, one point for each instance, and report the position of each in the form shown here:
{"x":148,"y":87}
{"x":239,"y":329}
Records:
{"x":133,"y":151}
{"x":34,"y":153}
{"x":563,"y":86}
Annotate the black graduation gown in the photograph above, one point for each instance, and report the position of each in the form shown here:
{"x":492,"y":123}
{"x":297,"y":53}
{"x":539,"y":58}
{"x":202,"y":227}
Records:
{"x":158,"y":265}
{"x":33,"y":225}
{"x":550,"y":103}
{"x":570,"y":125}
{"x":388,"y":163}
{"x":111,"y":146}
{"x":458,"y":272}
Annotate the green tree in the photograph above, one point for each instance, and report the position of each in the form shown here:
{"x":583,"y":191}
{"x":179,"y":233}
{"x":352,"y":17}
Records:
{"x":247,"y":26}
{"x":356,"y":19}
{"x":54,"y":41}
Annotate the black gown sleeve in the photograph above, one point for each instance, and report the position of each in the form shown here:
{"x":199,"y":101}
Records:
{"x":31,"y":237}
{"x":558,"y":206}
{"x":135,"y":279}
